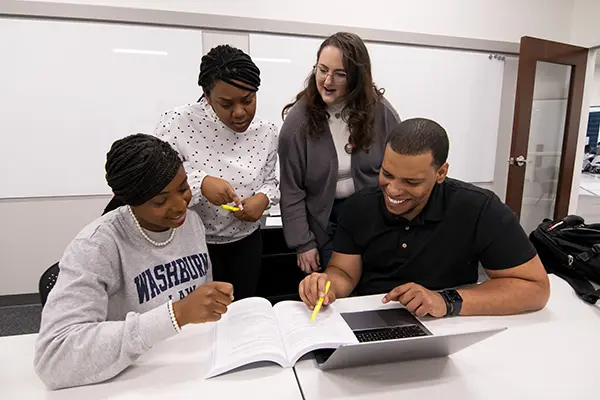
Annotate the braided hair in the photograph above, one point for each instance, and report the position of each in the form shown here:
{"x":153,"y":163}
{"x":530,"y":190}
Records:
{"x":138,"y":167}
{"x":231,"y":65}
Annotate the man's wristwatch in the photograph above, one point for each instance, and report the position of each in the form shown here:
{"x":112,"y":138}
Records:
{"x":453,"y":302}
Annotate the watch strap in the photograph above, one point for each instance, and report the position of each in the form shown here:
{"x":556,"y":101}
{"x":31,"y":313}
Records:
{"x":448,"y":304}
{"x":453,"y":302}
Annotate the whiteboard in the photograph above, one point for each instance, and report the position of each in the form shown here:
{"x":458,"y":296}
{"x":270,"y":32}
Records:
{"x":69,"y":89}
{"x":285,"y":63}
{"x":458,"y":89}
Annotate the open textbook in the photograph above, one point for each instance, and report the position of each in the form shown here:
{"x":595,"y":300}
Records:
{"x":253,"y":331}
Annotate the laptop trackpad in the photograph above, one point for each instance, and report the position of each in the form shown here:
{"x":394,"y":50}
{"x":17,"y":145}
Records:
{"x":379,"y":318}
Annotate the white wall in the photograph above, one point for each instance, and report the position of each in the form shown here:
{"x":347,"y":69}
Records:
{"x":505,"y":20}
{"x":585,"y":24}
{"x":35,"y":232}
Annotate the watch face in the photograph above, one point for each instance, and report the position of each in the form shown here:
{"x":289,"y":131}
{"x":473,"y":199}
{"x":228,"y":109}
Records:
{"x":455,"y":300}
{"x":453,"y":296}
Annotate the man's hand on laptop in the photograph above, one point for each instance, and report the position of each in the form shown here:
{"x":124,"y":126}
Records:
{"x":418,"y":300}
{"x":313,"y":287}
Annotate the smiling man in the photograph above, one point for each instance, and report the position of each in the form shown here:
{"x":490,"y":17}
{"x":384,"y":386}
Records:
{"x":420,"y":232}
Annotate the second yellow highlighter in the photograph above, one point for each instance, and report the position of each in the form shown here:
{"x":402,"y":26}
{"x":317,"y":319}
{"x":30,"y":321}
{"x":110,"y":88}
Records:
{"x":320,"y":302}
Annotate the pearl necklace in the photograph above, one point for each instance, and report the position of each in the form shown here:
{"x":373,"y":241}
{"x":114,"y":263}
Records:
{"x":154,"y":242}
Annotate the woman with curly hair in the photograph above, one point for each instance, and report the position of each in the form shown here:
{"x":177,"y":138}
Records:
{"x":331,"y":145}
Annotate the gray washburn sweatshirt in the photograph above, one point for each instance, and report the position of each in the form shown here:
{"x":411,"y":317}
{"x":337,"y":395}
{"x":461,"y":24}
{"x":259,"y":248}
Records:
{"x":109,"y":305}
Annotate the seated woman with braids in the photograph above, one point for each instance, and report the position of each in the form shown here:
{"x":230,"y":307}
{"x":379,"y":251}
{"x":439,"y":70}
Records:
{"x":230,"y":157}
{"x":133,"y":277}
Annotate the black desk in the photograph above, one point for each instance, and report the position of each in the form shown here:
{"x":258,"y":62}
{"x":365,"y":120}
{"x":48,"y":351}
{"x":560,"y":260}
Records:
{"x":280,"y":274}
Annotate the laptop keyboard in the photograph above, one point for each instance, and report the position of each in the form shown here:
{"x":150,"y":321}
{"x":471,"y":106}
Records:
{"x":398,"y":332}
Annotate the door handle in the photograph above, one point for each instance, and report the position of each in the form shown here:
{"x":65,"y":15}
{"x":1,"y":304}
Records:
{"x":520,"y":161}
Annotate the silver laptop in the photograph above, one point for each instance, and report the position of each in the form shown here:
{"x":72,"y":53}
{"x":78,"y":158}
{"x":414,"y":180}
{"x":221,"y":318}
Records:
{"x":393,"y":335}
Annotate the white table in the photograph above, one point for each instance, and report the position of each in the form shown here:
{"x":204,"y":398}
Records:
{"x":173,"y":369}
{"x":550,"y":354}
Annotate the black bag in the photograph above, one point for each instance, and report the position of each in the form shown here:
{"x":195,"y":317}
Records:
{"x":570,"y":249}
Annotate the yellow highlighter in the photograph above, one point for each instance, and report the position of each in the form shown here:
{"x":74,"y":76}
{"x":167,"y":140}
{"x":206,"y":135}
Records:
{"x":320,"y":302}
{"x":230,"y":208}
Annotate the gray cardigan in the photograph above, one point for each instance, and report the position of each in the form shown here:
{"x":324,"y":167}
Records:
{"x":308,"y":173}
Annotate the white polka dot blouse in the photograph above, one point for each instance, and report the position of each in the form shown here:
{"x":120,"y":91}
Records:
{"x":246,"y":160}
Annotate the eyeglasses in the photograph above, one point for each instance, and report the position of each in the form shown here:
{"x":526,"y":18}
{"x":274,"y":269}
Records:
{"x":321,"y":73}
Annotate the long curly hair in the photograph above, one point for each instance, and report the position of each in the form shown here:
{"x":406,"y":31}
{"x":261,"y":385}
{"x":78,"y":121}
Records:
{"x":361,"y":100}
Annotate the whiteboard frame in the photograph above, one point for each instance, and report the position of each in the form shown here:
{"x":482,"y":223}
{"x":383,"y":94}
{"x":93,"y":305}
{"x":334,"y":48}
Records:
{"x":180,"y":19}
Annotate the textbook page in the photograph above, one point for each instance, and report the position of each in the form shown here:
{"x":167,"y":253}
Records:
{"x":247,"y":333}
{"x":301,"y":336}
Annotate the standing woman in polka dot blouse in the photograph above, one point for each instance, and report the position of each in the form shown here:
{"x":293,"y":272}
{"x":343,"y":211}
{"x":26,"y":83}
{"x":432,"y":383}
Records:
{"x":230,"y":158}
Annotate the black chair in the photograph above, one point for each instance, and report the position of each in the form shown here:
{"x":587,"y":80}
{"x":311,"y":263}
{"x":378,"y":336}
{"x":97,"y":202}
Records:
{"x":47,"y":282}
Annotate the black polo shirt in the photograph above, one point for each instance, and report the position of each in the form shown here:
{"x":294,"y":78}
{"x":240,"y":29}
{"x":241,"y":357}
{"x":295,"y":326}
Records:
{"x":460,"y":226}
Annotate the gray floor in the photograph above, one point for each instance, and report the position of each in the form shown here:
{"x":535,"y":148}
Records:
{"x":19,"y":320}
